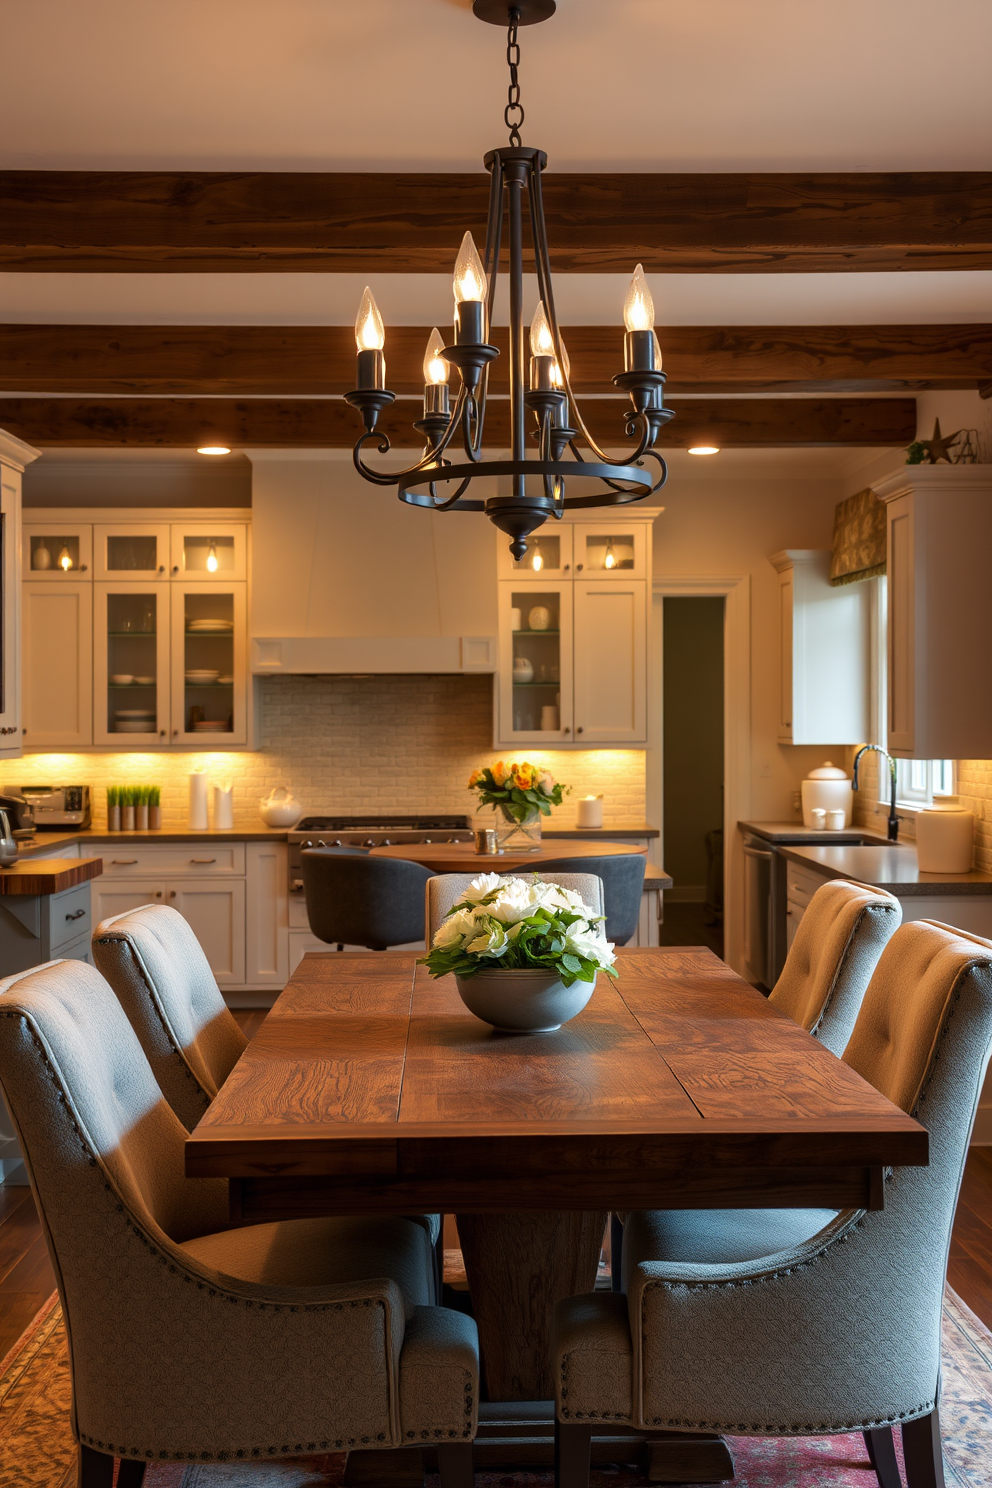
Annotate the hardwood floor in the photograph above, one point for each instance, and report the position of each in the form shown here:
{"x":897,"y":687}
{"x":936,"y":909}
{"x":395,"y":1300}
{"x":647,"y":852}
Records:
{"x":26,"y":1278}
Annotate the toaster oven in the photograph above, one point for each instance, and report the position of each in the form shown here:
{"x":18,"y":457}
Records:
{"x":58,"y":805}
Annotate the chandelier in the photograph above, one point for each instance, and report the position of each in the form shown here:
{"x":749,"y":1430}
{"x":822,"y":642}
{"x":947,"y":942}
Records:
{"x":531,"y":488}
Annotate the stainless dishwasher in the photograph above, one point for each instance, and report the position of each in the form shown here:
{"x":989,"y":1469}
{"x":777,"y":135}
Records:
{"x":758,"y":938}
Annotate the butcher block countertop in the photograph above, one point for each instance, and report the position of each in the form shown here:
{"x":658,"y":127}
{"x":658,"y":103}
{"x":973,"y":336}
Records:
{"x":50,"y":876}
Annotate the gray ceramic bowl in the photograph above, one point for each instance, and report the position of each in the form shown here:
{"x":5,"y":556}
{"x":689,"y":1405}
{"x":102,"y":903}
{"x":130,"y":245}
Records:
{"x":523,"y":1001}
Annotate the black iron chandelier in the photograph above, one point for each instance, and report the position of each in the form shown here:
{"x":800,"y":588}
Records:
{"x":533,"y":488}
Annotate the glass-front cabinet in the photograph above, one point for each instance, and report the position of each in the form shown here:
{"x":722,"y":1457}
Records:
{"x":548,"y":555}
{"x":208,"y":554}
{"x":603,"y":551}
{"x":131,"y":550}
{"x":536,"y":639}
{"x":209,"y":684}
{"x":55,"y":552}
{"x":131,"y":665}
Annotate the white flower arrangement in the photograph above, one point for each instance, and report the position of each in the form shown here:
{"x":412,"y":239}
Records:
{"x":518,"y":924}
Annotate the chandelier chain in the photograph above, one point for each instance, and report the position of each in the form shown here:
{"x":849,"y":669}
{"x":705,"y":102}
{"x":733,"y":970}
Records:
{"x":513,"y":114}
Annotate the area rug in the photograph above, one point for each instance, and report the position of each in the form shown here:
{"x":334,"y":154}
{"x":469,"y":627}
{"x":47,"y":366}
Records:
{"x":36,"y":1449}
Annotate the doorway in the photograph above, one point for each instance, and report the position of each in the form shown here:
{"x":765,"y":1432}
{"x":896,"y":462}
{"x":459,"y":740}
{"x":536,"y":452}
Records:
{"x":693,"y":768}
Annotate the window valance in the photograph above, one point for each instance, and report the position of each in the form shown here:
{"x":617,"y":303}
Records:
{"x":859,"y":539}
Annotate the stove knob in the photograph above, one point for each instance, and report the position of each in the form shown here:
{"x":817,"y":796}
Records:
{"x":385,"y":842}
{"x":321,"y":842}
{"x":370,"y":842}
{"x":337,"y":842}
{"x":308,"y":843}
{"x":425,"y":839}
{"x":453,"y":839}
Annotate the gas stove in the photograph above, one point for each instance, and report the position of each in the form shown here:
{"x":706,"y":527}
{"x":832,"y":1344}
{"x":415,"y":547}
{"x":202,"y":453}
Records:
{"x":320,"y":830}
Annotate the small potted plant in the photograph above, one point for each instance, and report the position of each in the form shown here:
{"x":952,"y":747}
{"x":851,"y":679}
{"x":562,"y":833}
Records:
{"x":525,"y":954}
{"x":520,"y":794}
{"x":113,"y":808}
{"x":129,"y":800}
{"x":141,"y":807}
{"x":155,"y":807}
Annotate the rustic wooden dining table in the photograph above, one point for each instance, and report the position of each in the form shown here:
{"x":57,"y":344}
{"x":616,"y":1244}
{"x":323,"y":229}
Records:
{"x":371,"y":1089}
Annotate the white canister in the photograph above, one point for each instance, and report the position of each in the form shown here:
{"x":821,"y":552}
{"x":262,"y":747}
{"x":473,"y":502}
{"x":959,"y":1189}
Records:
{"x":828,"y":788}
{"x":818,"y":818}
{"x":224,"y":806}
{"x":515,"y":620}
{"x":945,"y":838}
{"x":198,"y":801}
{"x":523,"y":669}
{"x":539,"y":618}
{"x":549,"y":719}
{"x":589,"y":812}
{"x":835,"y":820}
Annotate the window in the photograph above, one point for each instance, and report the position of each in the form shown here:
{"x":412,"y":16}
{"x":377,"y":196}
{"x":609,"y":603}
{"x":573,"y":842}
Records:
{"x":918,"y":781}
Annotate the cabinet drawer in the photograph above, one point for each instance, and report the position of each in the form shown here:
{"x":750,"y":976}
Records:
{"x":193,"y":858}
{"x":801,"y":885}
{"x":71,"y":917}
{"x":77,"y":950}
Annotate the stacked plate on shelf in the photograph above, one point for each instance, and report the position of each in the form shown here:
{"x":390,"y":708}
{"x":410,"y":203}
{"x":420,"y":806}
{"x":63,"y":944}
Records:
{"x":210,"y":627}
{"x":202,"y":677}
{"x":212,"y":726}
{"x":134,"y":721}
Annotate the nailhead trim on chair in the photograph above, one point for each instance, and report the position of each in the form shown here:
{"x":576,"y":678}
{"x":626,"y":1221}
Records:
{"x":465,"y":1435}
{"x":149,"y":1454}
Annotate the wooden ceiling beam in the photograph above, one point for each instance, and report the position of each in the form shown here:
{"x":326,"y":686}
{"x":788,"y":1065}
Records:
{"x":330,"y":423}
{"x":157,"y":221}
{"x":320,"y":360}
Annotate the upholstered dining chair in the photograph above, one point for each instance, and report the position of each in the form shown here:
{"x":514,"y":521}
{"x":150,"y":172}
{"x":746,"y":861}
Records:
{"x":190,"y":1341}
{"x":444,"y":890}
{"x":622,"y":876}
{"x":156,"y":965}
{"x":844,"y":930}
{"x":792,"y":1322}
{"x":364,"y":901}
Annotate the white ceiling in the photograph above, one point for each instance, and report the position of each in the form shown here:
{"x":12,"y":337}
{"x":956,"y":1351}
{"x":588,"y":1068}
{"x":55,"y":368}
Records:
{"x":640,"y":84}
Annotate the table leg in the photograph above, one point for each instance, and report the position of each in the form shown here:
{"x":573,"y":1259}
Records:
{"x":518,"y":1266}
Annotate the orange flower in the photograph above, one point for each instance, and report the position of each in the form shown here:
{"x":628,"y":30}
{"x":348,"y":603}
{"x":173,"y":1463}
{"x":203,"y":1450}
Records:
{"x":499,"y":772}
{"x":474,"y":778}
{"x":522,"y":781}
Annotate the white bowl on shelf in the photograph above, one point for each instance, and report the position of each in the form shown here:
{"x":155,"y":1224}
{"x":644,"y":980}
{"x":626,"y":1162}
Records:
{"x":144,"y":681}
{"x":225,"y":681}
{"x":122,"y":679}
{"x":134,"y":726}
{"x":210,"y":627}
{"x":202,"y":677}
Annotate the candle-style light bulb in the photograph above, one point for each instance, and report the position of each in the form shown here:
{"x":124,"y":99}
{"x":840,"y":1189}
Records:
{"x":213,"y":563}
{"x":609,"y":561}
{"x":436,"y":369}
{"x":638,"y":307}
{"x":470,"y":277}
{"x":65,"y":560}
{"x":370,"y":334}
{"x":657,"y":350}
{"x":556,"y":377}
{"x":537,"y":561}
{"x":541,"y":339}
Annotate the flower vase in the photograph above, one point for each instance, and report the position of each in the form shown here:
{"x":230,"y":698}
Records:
{"x":518,"y":833}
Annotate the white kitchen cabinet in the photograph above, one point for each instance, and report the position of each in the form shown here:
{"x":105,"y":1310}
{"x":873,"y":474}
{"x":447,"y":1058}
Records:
{"x":209,"y":635}
{"x":57,"y":660}
{"x":110,"y":898}
{"x":585,"y":673}
{"x":216,"y":913}
{"x":824,"y":692}
{"x":267,"y":921}
{"x":14,"y":456}
{"x":610,"y":661}
{"x":939,"y":531}
{"x":57,"y":552}
{"x":131,"y":640}
{"x":209,"y":552}
{"x":131,"y":551}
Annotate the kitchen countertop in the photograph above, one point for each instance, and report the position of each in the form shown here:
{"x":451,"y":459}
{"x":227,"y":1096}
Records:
{"x":48,"y":877}
{"x":606,"y":834}
{"x":893,"y":868}
{"x":794,"y":831}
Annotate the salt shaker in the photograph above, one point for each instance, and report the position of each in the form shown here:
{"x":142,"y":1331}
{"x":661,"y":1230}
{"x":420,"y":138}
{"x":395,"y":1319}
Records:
{"x":819,"y":818}
{"x":835,"y":820}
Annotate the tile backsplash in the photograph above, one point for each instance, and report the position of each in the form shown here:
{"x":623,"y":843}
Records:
{"x":377,"y":744}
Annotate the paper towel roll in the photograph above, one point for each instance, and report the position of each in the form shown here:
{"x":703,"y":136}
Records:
{"x":945,"y":838}
{"x":224,"y":807}
{"x":198,"y":801}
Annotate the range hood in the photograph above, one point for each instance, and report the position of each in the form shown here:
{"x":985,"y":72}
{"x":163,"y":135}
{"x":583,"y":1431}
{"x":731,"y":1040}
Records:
{"x":346,"y":579}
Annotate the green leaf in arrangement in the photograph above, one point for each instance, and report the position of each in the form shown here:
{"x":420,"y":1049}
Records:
{"x":572,"y":963}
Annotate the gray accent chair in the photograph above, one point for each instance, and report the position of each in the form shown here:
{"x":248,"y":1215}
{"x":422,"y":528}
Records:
{"x":444,"y":890}
{"x":622,"y":876}
{"x":156,"y":966}
{"x":189,"y":1341}
{"x":791,"y":1322}
{"x":363,"y":900}
{"x":844,"y":930}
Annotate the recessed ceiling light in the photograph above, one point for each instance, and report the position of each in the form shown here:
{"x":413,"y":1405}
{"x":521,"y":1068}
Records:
{"x":213,"y":449}
{"x":704,"y":449}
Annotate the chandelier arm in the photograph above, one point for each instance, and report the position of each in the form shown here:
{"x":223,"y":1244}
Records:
{"x":472,"y":428}
{"x":543,"y":264}
{"x":449,"y":501}
{"x":663,"y":464}
{"x":430,"y":456}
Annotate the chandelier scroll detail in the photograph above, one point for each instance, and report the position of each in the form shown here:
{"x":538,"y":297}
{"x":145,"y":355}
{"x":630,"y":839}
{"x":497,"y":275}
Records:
{"x":530,"y":487}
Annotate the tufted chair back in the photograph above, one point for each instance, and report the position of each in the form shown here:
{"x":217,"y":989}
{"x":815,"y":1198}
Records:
{"x":156,"y":965}
{"x":840,"y":938}
{"x":444,"y":889}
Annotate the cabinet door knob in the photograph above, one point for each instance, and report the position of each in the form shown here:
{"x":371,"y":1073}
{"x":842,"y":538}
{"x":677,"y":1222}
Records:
{"x":158,"y":893}
{"x":161,"y":733}
{"x":566,"y":730}
{"x":565,"y":567}
{"x":175,"y":568}
{"x":175,"y":733}
{"x":580,"y":729}
{"x":580,"y":567}
{"x":172,"y":893}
